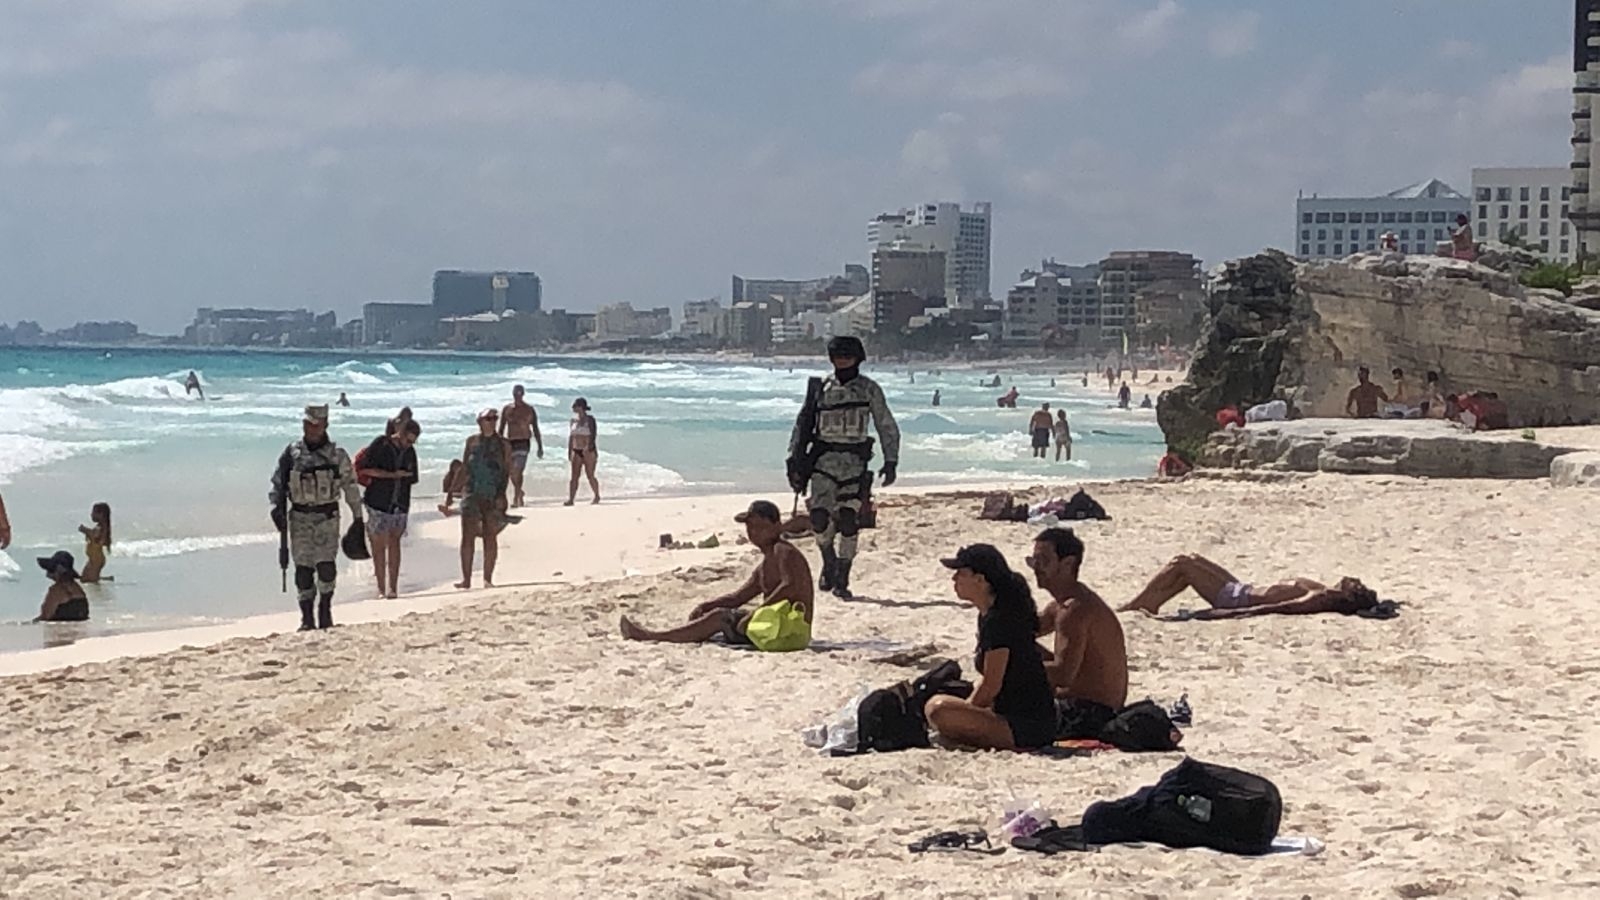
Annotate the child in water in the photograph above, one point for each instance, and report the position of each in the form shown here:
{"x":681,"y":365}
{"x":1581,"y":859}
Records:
{"x":96,"y":541}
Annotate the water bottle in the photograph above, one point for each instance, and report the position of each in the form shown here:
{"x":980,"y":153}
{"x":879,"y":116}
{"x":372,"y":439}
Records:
{"x":1023,"y":818}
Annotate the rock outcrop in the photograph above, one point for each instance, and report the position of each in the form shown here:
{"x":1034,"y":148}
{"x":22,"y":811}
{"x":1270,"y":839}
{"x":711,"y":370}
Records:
{"x":1425,"y":448}
{"x":1580,"y":469}
{"x":1277,"y":329}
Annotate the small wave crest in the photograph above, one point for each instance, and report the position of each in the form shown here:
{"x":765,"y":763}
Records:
{"x":155,"y":548}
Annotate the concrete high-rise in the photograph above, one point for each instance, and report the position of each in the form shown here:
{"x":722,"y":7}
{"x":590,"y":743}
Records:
{"x":1531,"y":203}
{"x":1125,"y":273}
{"x":964,"y":236}
{"x":1585,"y":212}
{"x":457,"y":293}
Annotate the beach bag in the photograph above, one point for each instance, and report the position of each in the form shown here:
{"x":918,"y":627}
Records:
{"x":1195,"y":804}
{"x":1082,"y":507}
{"x":1142,"y":727}
{"x":892,"y":718}
{"x":779,"y":628}
{"x":357,"y":464}
{"x":995,"y":506}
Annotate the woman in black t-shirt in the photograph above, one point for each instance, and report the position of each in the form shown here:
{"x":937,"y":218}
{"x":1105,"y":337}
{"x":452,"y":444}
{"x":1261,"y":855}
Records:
{"x":1012,"y":706}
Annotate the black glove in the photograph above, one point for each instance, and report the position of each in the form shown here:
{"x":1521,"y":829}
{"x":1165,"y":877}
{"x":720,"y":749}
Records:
{"x":279,"y":520}
{"x":796,"y":469}
{"x":888,"y":473}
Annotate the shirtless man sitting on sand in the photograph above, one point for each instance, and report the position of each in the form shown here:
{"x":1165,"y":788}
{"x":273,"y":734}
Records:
{"x":1088,"y":661}
{"x":782,"y":575}
{"x":1232,"y":598}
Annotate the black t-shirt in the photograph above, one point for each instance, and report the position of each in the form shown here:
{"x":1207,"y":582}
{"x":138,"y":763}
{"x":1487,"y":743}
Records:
{"x":1026,"y":692}
{"x":390,"y":495}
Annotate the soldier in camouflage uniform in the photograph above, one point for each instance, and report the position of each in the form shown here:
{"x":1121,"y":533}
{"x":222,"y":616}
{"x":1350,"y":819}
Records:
{"x":835,"y":458}
{"x":311,"y":475}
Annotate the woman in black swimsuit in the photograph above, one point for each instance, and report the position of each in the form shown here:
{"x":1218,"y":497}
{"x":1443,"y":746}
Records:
{"x":65,"y":600}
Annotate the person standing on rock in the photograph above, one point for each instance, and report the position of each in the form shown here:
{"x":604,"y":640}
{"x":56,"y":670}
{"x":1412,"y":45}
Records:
{"x":312,"y":474}
{"x":831,"y":452}
{"x":1365,"y":398}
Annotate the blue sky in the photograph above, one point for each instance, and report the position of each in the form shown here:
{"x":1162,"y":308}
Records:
{"x":159,"y":155}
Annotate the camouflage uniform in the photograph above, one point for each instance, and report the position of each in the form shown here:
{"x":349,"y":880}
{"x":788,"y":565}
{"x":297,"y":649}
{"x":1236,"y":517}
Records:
{"x":841,"y":477}
{"x":307,"y":483}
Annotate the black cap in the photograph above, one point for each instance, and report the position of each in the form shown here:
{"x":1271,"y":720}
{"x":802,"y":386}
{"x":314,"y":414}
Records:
{"x":983,"y":559}
{"x":847,"y":345}
{"x":760,"y":509}
{"x":59,"y":563}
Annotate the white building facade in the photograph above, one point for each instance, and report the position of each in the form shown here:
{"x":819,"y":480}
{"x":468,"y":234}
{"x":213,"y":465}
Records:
{"x":964,"y":236}
{"x":1532,"y":203}
{"x":1421,"y":215}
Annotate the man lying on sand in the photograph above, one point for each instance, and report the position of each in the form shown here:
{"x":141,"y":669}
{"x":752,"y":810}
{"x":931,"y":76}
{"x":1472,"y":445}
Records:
{"x":1088,"y":661}
{"x":1232,"y":598}
{"x":782,"y":575}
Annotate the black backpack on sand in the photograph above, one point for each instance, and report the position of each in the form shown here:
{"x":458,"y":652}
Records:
{"x":1195,"y":804}
{"x":1142,"y":727}
{"x":891,"y":718}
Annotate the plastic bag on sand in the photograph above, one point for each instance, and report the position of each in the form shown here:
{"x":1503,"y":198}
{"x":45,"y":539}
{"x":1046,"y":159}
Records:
{"x":839,"y":732}
{"x":1047,"y":520}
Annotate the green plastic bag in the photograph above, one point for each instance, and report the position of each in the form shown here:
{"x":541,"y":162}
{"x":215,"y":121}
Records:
{"x":779,"y":628}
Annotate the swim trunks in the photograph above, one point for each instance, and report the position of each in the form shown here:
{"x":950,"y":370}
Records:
{"x":1041,"y":438}
{"x":1078,"y":719}
{"x":386,"y":523}
{"x":73,"y":610}
{"x":519,"y":452}
{"x":732,"y":634}
{"x":1235,"y":594}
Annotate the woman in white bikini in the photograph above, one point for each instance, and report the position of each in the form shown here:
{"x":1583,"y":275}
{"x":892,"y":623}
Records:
{"x":581,"y":449}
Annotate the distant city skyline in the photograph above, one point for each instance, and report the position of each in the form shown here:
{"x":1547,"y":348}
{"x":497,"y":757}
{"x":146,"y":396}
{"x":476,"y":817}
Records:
{"x":163,"y":155}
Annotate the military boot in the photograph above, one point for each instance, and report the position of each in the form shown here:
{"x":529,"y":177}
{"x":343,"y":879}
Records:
{"x":325,"y":611}
{"x":306,"y":622}
{"x":841,"y":579}
{"x":830,"y":562}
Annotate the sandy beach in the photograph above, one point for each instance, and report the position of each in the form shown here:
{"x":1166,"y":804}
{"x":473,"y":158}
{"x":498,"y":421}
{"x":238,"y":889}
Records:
{"x":512,"y":745}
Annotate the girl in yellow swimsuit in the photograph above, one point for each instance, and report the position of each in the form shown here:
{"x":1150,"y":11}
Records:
{"x":96,"y":541}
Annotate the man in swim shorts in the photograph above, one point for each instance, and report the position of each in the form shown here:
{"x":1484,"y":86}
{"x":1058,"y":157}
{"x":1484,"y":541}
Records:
{"x":783,"y":574}
{"x":519,"y":424}
{"x":1088,"y":660}
{"x":1229,"y":595}
{"x":1039,"y":426}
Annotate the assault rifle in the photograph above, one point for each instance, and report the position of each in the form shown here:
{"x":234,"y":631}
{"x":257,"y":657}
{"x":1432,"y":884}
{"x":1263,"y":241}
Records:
{"x":802,"y":460}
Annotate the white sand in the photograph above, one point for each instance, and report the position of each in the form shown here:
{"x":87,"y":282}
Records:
{"x":518,"y":747}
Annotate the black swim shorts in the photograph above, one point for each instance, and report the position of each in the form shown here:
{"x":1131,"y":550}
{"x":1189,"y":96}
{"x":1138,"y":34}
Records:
{"x":733,"y":625}
{"x":1041,"y":438}
{"x":1081,"y":719}
{"x":1028,"y":734}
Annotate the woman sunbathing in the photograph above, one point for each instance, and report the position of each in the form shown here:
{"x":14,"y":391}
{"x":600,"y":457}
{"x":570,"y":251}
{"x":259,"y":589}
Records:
{"x":1232,"y":598}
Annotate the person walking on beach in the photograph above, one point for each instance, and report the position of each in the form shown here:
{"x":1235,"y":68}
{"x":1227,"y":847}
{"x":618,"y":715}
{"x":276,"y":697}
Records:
{"x":96,"y":541}
{"x":1063,"y":435}
{"x":399,"y":420}
{"x":830,"y":450}
{"x":1088,"y":662}
{"x":519,"y":424}
{"x":1365,"y":398}
{"x":1039,"y":427}
{"x":390,"y":467}
{"x":311,"y":476}
{"x":782,"y":575}
{"x":65,"y":600}
{"x":582,"y":450}
{"x":486,"y":460}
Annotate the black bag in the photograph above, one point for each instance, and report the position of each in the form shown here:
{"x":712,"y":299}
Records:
{"x":1142,"y":727}
{"x":892,"y":718}
{"x":1081,"y":506}
{"x":1195,"y":804}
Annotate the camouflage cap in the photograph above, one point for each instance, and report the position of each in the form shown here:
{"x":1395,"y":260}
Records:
{"x":317,"y":414}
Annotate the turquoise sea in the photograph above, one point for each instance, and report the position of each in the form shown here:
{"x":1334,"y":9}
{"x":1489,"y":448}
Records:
{"x":187,"y":479}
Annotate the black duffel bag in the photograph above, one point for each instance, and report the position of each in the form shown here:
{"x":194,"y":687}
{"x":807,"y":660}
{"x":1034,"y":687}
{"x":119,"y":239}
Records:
{"x":1195,"y":804}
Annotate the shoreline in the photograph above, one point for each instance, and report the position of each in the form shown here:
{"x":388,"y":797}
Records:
{"x":557,"y":554}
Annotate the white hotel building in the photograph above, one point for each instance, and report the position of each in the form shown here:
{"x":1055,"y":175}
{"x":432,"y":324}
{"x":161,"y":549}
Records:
{"x":962,"y":235}
{"x":1421,"y":215}
{"x":1530,"y":203}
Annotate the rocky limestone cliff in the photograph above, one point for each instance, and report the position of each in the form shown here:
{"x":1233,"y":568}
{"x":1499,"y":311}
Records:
{"x":1277,"y":329}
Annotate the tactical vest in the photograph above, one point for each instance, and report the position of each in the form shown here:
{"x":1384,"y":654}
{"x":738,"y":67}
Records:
{"x":845,"y":411}
{"x":313,"y":477}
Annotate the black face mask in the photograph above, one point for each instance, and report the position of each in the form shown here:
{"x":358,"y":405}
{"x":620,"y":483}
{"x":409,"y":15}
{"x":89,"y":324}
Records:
{"x":315,"y":444}
{"x":846,"y":376}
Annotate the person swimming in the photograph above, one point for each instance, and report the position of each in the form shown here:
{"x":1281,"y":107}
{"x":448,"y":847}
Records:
{"x":96,"y":541}
{"x":65,"y":600}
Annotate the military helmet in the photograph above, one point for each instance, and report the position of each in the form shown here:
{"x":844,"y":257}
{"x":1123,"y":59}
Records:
{"x":847,"y":345}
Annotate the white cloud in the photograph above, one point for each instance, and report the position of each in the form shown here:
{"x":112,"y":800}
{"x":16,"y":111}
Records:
{"x":59,"y":143}
{"x":987,"y":81}
{"x":1151,"y":29}
{"x":1234,"y":35}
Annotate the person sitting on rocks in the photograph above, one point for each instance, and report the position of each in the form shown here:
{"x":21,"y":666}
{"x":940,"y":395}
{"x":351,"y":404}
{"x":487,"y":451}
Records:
{"x":1462,"y":245}
{"x":1365,"y":398}
{"x":1231,"y":597}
